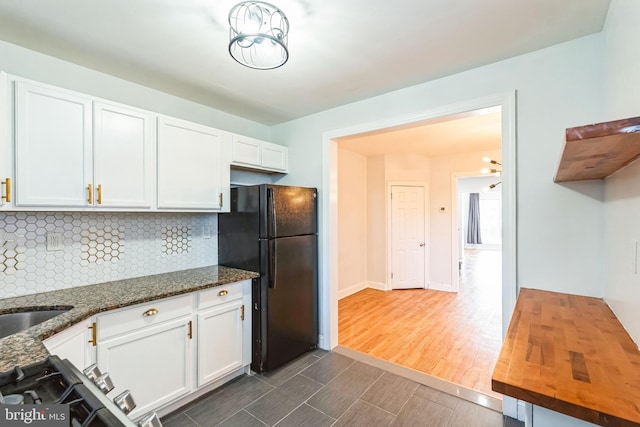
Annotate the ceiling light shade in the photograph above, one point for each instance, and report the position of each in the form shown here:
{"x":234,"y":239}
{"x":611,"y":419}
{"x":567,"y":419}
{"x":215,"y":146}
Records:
{"x":258,"y":35}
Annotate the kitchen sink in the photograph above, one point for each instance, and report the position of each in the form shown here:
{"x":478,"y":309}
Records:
{"x":12,"y":323}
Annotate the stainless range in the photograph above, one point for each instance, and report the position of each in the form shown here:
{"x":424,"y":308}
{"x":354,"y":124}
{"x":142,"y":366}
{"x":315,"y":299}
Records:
{"x":85,"y":397}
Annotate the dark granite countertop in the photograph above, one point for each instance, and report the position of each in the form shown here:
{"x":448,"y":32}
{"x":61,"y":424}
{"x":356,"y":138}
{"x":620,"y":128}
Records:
{"x":26,"y":347}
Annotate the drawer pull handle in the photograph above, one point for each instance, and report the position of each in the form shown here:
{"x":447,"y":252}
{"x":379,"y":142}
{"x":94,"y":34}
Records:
{"x":150,"y":312}
{"x":223,"y":293}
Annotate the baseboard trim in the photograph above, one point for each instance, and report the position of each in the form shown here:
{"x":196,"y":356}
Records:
{"x":377,"y":285}
{"x":440,"y":287}
{"x":465,"y":393}
{"x":359,"y":287}
{"x":343,"y":293}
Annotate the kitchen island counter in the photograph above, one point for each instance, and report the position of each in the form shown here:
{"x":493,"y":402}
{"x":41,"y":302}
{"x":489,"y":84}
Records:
{"x":26,"y":347}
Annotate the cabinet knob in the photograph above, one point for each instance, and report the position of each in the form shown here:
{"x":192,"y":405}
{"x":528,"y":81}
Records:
{"x":223,"y":293}
{"x":150,"y":312}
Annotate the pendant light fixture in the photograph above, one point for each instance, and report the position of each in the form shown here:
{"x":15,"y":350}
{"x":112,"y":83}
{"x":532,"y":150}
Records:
{"x":258,"y":35}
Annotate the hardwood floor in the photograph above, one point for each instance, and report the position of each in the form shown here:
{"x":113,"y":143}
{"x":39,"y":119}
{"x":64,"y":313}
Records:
{"x":452,"y":336}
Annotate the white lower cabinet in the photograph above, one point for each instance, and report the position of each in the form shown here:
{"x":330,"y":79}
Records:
{"x":155,"y":363}
{"x":219,"y":341}
{"x":165,"y":350}
{"x":74,"y":343}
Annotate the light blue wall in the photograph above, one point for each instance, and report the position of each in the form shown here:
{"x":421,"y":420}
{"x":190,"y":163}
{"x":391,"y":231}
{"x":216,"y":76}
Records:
{"x":46,"y":69}
{"x":622,"y":100}
{"x":560,"y":237}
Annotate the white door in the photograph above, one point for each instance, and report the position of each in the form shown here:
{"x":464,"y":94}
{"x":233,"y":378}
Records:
{"x":220,"y":341}
{"x":155,"y":363}
{"x":53,"y":147}
{"x":192,"y":168}
{"x":123,"y":152}
{"x":407,"y":241}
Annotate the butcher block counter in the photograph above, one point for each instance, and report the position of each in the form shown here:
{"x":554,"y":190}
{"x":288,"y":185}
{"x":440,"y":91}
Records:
{"x":570,"y":354}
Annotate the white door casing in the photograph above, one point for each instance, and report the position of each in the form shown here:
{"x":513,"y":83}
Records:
{"x":407,"y":237}
{"x":329,"y":241}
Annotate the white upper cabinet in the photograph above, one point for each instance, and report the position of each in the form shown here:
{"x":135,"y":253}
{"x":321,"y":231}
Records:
{"x":53,"y":150}
{"x":123,"y":157}
{"x":260,"y":155}
{"x":275,"y":157}
{"x":246,"y":151}
{"x":193,"y":166}
{"x":6,"y":144}
{"x":63,"y":150}
{"x":73,"y":152}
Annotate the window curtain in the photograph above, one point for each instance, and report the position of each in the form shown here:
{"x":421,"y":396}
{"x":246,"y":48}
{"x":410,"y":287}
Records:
{"x":473,"y":225}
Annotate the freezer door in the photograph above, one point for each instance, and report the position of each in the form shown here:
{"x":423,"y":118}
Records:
{"x":291,"y":299}
{"x":290,"y":211}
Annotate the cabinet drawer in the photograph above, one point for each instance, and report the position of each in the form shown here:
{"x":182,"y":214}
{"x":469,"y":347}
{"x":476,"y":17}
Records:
{"x":142,"y":315}
{"x":219,"y":295}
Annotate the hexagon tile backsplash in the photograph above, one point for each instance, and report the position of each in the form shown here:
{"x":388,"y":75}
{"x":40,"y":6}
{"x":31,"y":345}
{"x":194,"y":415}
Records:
{"x":85,"y":248}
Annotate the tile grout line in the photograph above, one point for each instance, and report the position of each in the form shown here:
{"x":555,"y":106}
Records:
{"x":360,"y":397}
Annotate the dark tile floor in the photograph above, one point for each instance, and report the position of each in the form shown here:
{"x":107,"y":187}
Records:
{"x":328,"y":389}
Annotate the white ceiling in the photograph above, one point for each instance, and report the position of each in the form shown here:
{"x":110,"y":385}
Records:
{"x":340,"y":51}
{"x":476,"y":131}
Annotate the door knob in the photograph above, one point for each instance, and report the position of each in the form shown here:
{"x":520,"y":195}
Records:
{"x":421,"y":244}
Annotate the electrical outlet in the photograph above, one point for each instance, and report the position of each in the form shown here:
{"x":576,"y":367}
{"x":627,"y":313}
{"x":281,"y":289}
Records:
{"x":206,"y":232}
{"x":55,"y":242}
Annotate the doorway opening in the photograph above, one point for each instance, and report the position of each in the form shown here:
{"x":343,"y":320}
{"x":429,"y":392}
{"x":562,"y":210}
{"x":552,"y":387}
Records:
{"x":364,"y":216}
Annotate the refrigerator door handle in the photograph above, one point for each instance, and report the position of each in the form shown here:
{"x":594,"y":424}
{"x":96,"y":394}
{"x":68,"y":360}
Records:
{"x":273,"y":262}
{"x":273,"y":220}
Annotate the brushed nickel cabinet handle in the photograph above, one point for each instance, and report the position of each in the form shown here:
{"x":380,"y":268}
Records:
{"x":7,"y":192}
{"x":223,"y":293}
{"x":90,"y":199}
{"x":150,"y":312}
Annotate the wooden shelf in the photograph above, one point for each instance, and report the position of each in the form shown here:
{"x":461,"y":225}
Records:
{"x":570,"y":354}
{"x":596,"y":151}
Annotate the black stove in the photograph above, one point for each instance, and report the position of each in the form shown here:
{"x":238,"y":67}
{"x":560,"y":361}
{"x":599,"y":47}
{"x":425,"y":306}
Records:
{"x":57,"y":381}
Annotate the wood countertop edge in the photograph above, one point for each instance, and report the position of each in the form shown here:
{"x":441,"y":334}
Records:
{"x":500,"y":378}
{"x":567,"y":408}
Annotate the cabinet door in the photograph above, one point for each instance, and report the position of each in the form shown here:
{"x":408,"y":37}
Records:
{"x":6,"y":142}
{"x":191,"y":166}
{"x":155,"y":363}
{"x":123,"y":157}
{"x":74,"y":344}
{"x":275,"y":157}
{"x":246,"y":151}
{"x":53,"y":147}
{"x":219,"y":341}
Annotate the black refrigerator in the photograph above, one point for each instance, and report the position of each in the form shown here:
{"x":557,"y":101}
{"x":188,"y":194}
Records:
{"x":273,"y":229}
